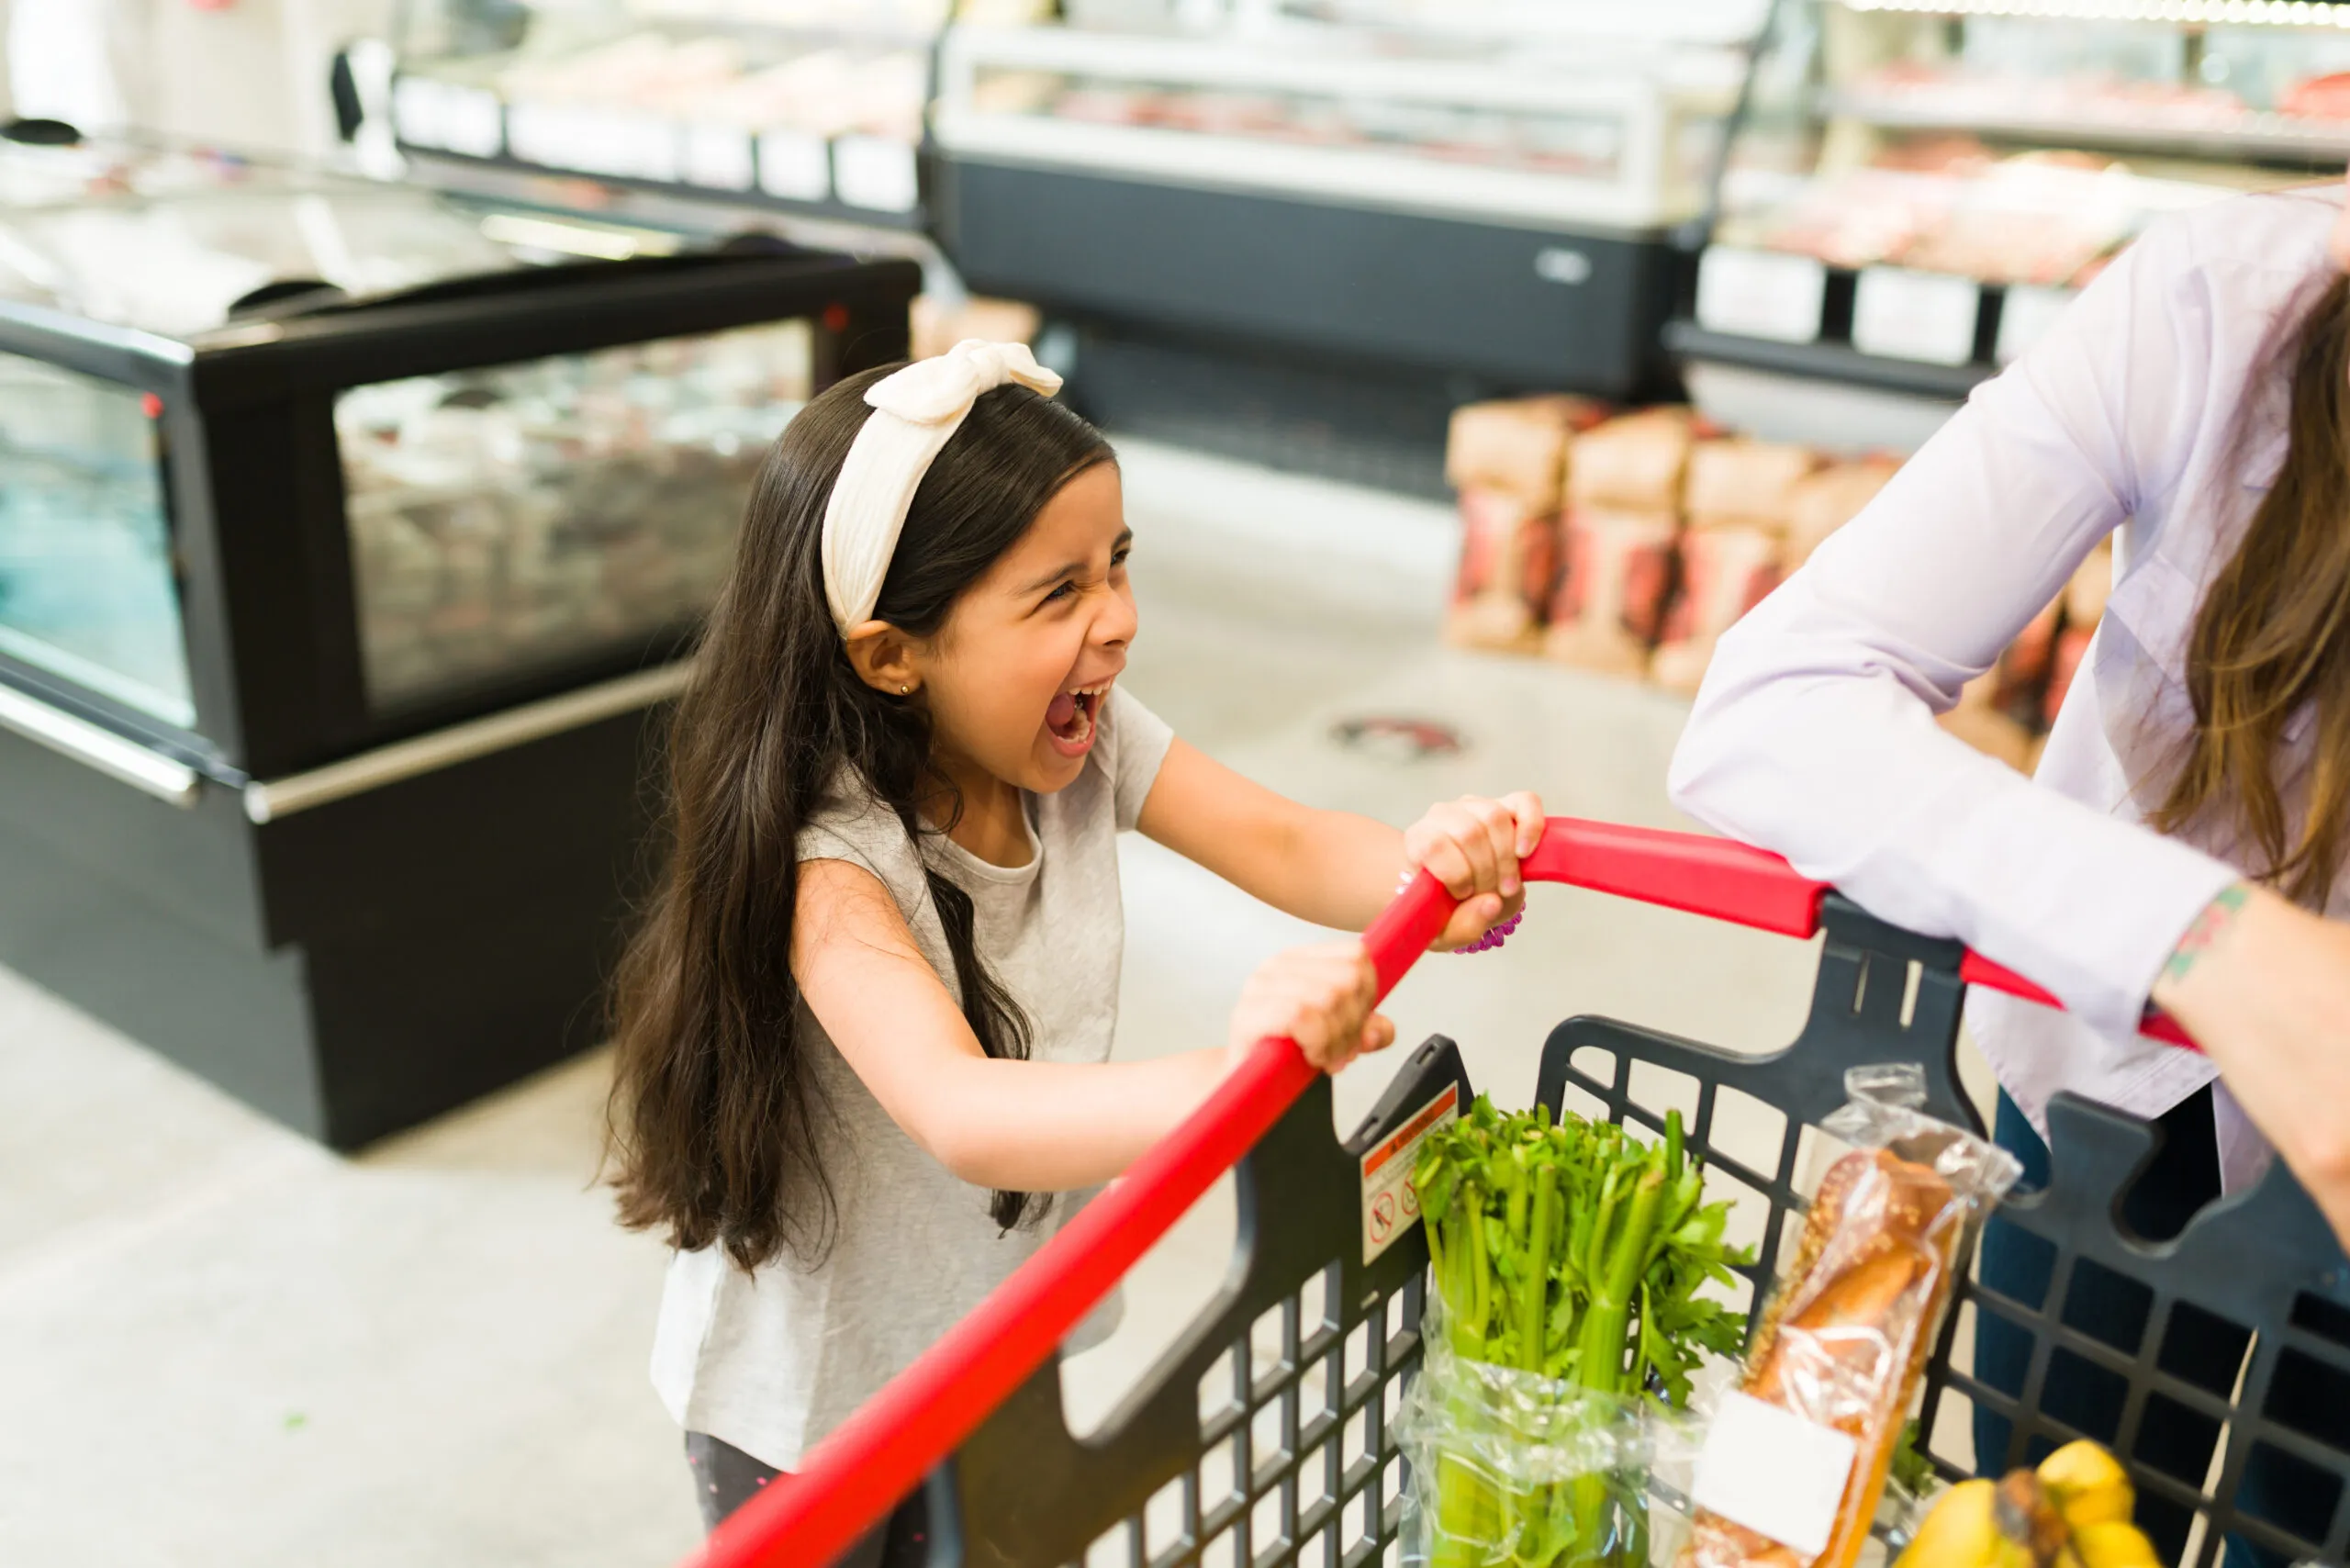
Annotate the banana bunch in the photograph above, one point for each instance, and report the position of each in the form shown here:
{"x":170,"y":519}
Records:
{"x":2072,"y":1512}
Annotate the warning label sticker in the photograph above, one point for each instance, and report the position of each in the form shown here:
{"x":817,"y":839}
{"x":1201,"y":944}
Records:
{"x":1390,"y":1205}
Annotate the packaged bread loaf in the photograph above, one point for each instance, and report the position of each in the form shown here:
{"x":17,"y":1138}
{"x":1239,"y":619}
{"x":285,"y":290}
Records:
{"x":1823,"y":501}
{"x":1735,"y":481}
{"x":1725,"y":572}
{"x":1633,"y":462}
{"x":1609,"y":607}
{"x":1519,"y":446}
{"x":1794,"y":1465}
{"x":1509,"y":570}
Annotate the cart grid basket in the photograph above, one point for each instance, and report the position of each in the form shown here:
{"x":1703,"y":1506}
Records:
{"x":1264,"y":1436}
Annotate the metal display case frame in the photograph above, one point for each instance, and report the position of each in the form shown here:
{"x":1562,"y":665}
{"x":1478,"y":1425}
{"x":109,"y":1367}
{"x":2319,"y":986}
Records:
{"x":357,"y":919}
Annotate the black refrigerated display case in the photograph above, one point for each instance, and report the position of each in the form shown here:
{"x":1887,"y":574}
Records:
{"x":352,"y":542}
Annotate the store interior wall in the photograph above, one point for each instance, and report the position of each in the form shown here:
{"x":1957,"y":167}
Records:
{"x":244,"y":73}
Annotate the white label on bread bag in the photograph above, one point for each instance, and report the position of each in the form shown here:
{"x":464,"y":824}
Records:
{"x":1760,"y":294}
{"x":1391,"y":1204}
{"x":1774,"y":1471}
{"x":1926,"y":317}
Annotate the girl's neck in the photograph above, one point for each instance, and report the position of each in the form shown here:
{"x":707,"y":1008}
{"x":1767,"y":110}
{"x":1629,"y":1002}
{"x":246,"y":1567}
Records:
{"x":993,"y":822}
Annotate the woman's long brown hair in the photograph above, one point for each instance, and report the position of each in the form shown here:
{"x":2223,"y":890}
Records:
{"x":716,"y":1119}
{"x":2272,"y":637}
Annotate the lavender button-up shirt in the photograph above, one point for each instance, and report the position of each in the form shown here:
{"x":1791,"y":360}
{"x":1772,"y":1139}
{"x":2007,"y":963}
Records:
{"x":2155,"y":412}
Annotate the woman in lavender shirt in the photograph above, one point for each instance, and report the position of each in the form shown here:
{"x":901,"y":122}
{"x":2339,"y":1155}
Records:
{"x":2185,"y":840}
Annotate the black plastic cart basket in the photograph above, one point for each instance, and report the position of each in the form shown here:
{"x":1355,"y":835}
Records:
{"x":1264,"y":1436}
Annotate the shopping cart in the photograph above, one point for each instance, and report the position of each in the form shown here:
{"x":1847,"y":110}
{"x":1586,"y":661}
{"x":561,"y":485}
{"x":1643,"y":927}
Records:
{"x":1264,"y":1436}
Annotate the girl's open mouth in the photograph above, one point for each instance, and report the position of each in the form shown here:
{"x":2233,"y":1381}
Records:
{"x":1072,"y":716}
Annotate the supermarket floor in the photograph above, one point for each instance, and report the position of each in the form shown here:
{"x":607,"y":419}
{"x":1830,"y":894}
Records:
{"x":223,"y":1346}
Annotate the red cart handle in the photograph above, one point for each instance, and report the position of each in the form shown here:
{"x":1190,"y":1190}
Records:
{"x":857,"y":1475}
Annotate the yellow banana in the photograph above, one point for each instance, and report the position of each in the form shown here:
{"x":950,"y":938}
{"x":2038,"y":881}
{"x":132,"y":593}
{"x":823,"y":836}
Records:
{"x":2074,"y":1512}
{"x":2114,"y":1543}
{"x":1959,"y":1532}
{"x":2089,"y":1485}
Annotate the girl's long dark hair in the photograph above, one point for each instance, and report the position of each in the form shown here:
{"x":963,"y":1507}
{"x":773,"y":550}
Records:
{"x":2272,"y":635}
{"x":715,"y":1113}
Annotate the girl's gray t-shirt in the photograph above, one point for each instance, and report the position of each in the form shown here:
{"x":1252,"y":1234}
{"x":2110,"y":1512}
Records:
{"x":771,"y":1361}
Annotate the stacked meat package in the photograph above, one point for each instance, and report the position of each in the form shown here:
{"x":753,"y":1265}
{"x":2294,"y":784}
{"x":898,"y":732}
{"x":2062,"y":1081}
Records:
{"x":1629,"y":544}
{"x":1508,"y":461}
{"x":2006,"y":712}
{"x":1622,"y":522}
{"x":1738,"y":498}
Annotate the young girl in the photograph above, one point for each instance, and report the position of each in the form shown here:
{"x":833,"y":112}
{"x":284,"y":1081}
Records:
{"x":862,"y":1036}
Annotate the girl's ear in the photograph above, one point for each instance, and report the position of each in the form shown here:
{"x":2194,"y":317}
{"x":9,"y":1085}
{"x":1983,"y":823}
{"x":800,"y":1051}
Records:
{"x":884,"y":658}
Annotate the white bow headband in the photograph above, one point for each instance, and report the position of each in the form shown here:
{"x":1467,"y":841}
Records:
{"x":915,"y":413}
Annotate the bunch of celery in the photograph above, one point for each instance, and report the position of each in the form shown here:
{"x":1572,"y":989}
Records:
{"x":1575,"y":1253}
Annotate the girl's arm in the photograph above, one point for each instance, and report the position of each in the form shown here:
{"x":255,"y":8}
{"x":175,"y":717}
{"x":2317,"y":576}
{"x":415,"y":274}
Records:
{"x":1033,"y":1126}
{"x":1813,"y":734}
{"x":1332,"y":868}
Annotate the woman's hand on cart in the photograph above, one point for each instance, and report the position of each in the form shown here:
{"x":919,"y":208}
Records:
{"x":2264,"y":986}
{"x":1474,"y":845}
{"x":1321,"y":997}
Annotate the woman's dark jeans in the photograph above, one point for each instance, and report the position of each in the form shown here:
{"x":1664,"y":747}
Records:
{"x":2199,"y":1349}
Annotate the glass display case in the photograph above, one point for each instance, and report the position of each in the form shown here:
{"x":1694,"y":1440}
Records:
{"x":1914,"y":187}
{"x":1482,"y":190}
{"x":522,"y":515}
{"x":353,"y":538}
{"x":513,"y":447}
{"x":815,"y":106}
{"x":88,"y":586}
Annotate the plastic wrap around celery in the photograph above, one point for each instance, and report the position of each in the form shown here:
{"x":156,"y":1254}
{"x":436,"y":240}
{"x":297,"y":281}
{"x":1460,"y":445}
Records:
{"x":1572,"y":1255}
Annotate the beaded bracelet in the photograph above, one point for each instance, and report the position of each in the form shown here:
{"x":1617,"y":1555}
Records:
{"x":1494,"y":935}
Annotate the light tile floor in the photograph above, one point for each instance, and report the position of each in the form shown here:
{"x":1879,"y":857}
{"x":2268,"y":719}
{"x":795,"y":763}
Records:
{"x":222,"y":1345}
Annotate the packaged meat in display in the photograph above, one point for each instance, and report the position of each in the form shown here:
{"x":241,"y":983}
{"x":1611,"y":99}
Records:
{"x":1734,"y":480}
{"x":1821,"y":502}
{"x":2072,"y":648}
{"x":2091,"y":586}
{"x":2083,"y":605}
{"x":1610,"y":605}
{"x":1983,"y":723}
{"x":1519,"y":446}
{"x":514,"y":516}
{"x":2021,"y":675}
{"x":938,"y":327}
{"x":1725,"y":572}
{"x":1509,"y":568}
{"x":1796,"y":1462}
{"x":2320,"y":97}
{"x":1633,"y":462}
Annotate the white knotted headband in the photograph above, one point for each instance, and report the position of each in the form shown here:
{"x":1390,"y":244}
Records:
{"x":915,"y":413}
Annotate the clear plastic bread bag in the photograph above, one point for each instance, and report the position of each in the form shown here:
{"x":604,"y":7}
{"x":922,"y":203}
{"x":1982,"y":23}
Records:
{"x":1796,"y":1461}
{"x":1512,"y":1468}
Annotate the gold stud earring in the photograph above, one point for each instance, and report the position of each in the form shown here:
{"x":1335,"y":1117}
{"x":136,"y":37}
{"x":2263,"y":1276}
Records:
{"x":906,"y":691}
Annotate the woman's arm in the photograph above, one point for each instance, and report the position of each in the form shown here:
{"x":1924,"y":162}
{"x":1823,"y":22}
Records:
{"x":1336,"y":868}
{"x":1033,"y":1126}
{"x":1814,"y":735}
{"x":2265,"y":986}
